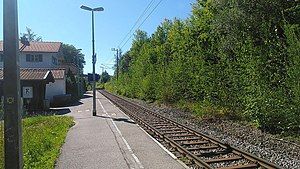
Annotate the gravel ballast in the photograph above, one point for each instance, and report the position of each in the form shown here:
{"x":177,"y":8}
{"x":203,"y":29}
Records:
{"x":243,"y":136}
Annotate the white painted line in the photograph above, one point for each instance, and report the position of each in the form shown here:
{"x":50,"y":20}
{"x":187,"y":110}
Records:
{"x":124,"y":140}
{"x":137,"y":160}
{"x":79,"y":111}
{"x":158,"y":143}
{"x":166,"y":150}
{"x":111,"y":103}
{"x":87,"y":110}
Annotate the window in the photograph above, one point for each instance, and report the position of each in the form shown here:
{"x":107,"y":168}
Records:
{"x":54,"y":60}
{"x":29,"y":58}
{"x":40,"y":58}
{"x":1,"y":57}
{"x":34,"y":58}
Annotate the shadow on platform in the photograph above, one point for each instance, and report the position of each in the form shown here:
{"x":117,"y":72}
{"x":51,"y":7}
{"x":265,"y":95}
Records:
{"x":121,"y":119}
{"x":60,"y":111}
{"x":63,"y":105}
{"x":50,"y":112}
{"x":86,"y":96}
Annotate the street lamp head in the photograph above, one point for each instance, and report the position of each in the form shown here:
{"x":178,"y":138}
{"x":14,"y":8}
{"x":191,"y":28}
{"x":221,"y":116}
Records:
{"x":113,"y":49}
{"x":91,"y":9}
{"x":98,"y":9}
{"x":86,"y":8}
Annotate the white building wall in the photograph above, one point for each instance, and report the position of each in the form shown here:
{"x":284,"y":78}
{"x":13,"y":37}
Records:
{"x":56,"y":88}
{"x":47,"y":61}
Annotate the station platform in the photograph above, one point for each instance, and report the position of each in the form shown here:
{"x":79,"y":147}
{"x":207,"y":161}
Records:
{"x":110,"y":140}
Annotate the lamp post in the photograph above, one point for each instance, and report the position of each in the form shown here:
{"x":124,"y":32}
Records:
{"x":118,"y":51}
{"x":94,"y":56}
{"x":78,"y":74}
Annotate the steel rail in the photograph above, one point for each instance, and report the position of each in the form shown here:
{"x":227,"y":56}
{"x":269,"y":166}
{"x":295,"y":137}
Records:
{"x":171,"y":142}
{"x":191,"y":156}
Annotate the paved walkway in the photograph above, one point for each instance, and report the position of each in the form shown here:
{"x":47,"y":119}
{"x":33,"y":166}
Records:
{"x":110,"y":141}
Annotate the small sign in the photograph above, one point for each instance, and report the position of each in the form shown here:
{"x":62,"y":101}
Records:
{"x":91,"y":79}
{"x":27,"y":92}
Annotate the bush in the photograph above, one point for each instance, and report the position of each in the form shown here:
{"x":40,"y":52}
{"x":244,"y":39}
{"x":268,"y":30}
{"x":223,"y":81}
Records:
{"x":233,"y":59}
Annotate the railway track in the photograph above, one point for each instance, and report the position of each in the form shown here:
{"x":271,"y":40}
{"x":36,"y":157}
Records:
{"x":195,"y":149}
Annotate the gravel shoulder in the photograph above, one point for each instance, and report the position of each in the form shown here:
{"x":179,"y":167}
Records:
{"x":241,"y":135}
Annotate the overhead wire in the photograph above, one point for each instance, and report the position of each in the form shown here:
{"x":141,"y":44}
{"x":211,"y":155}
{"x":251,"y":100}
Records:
{"x":143,"y":22}
{"x":137,"y":21}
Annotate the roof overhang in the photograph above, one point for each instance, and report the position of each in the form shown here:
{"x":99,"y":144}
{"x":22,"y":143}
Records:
{"x":31,"y":74}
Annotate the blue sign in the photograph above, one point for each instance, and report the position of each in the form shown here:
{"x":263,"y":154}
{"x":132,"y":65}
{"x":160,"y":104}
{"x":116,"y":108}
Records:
{"x":90,"y":77}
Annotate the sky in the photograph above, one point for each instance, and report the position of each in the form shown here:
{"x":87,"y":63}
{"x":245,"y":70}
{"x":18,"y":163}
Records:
{"x":64,"y":21}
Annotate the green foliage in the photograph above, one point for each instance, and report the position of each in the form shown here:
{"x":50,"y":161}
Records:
{"x":104,"y":77}
{"x":233,"y":59}
{"x":31,"y":36}
{"x":73,"y":55}
{"x":42,"y":140}
{"x":71,"y":85}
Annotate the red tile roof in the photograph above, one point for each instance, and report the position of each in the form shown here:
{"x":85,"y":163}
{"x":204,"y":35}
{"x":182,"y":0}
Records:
{"x":33,"y":74}
{"x":58,"y":73}
{"x":44,"y":47}
{"x":38,"y":74}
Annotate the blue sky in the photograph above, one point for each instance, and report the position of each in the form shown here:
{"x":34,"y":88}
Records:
{"x":64,"y":21}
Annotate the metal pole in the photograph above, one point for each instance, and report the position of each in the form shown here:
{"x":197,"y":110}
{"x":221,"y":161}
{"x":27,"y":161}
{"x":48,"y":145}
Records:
{"x":12,"y":99}
{"x":101,"y":77}
{"x":78,"y":78}
{"x":94,"y":60}
{"x":117,"y":64}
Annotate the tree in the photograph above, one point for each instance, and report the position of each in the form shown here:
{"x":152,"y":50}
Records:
{"x":125,"y":62}
{"x":105,"y":77}
{"x":31,"y":36}
{"x":73,"y":55}
{"x":236,"y":59}
{"x":71,"y":85}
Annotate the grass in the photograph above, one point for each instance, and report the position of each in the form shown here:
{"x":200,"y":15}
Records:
{"x":43,"y":137}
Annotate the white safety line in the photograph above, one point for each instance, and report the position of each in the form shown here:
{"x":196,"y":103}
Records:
{"x":124,"y":140}
{"x":158,"y":143}
{"x":111,"y":103}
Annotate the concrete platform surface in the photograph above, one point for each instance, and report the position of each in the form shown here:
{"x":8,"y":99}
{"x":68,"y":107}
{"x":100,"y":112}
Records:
{"x":110,"y":140}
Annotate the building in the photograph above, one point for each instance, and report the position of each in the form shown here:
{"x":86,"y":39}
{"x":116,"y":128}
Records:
{"x":38,"y":55}
{"x":43,"y":56}
{"x":33,"y":87}
{"x":58,"y":87}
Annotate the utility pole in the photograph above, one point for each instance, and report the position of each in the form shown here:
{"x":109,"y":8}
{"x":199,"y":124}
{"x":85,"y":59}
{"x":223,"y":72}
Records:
{"x":117,"y":64}
{"x":12,"y":100}
{"x":117,"y":55}
{"x":120,"y":55}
